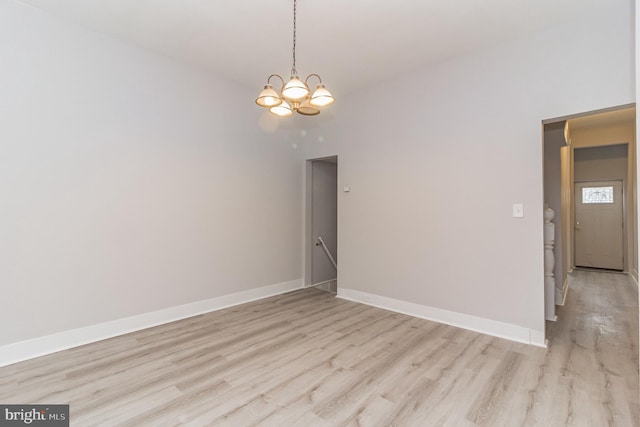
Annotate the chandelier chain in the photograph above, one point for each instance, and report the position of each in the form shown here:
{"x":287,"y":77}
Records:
{"x":293,"y":69}
{"x":294,"y":96}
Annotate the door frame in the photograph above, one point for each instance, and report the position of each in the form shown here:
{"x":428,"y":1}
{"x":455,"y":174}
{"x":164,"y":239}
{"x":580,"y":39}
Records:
{"x":565,"y":233}
{"x":624,"y":220}
{"x":308,"y":243}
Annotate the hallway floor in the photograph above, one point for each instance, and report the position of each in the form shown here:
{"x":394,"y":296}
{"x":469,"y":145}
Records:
{"x":307,"y":358}
{"x":593,"y":348}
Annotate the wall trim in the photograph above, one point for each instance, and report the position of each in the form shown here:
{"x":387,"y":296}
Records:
{"x":327,"y":285}
{"x":29,"y":349}
{"x":326,"y":282}
{"x":465,"y":321}
{"x":565,"y":290}
{"x":559,"y":299}
{"x":561,"y":294}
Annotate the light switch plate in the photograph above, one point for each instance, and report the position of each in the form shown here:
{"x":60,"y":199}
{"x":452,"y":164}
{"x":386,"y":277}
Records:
{"x":518,"y":210}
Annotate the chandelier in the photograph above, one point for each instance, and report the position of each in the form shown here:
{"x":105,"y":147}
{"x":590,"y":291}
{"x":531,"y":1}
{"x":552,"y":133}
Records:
{"x":295,"y":95}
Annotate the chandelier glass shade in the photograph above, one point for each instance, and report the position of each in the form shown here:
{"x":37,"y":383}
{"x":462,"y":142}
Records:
{"x":295,"y":95}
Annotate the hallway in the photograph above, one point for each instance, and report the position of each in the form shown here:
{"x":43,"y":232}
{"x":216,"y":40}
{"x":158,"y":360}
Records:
{"x":593,"y":348}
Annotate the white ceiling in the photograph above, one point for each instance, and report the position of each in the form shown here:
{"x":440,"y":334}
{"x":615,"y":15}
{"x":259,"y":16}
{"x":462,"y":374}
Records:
{"x":351,"y":44}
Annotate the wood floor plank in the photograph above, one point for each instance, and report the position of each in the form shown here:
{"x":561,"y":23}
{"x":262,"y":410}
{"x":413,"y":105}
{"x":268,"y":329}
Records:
{"x":308,"y":359}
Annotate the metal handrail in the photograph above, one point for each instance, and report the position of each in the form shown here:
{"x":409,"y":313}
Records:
{"x":326,"y":250}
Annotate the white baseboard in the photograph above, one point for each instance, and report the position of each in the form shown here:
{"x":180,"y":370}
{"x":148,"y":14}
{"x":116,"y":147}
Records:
{"x":465,"y":321}
{"x":327,"y":285}
{"x":326,"y":282}
{"x":558,"y":297}
{"x":561,"y":294}
{"x":24,"y":350}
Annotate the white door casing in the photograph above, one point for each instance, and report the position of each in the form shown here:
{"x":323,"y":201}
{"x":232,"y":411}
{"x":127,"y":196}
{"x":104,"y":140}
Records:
{"x":599,"y":227}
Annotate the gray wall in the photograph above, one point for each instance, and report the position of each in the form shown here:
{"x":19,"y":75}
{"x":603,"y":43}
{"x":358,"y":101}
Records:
{"x":553,"y":141}
{"x":126,"y":186}
{"x":428,"y":219}
{"x":601,"y":163}
{"x":132,"y":188}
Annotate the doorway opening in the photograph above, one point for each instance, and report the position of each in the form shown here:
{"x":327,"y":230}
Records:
{"x":590,"y":182}
{"x":598,"y":239}
{"x":321,"y":236}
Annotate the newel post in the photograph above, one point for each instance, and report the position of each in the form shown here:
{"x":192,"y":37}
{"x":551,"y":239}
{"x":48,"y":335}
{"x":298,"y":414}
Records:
{"x":549,"y":263}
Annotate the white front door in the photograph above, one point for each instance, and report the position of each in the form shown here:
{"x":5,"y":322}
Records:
{"x":599,"y":225}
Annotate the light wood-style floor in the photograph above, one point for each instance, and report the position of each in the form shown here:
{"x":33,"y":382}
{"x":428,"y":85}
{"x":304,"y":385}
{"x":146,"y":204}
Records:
{"x":309,"y":359}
